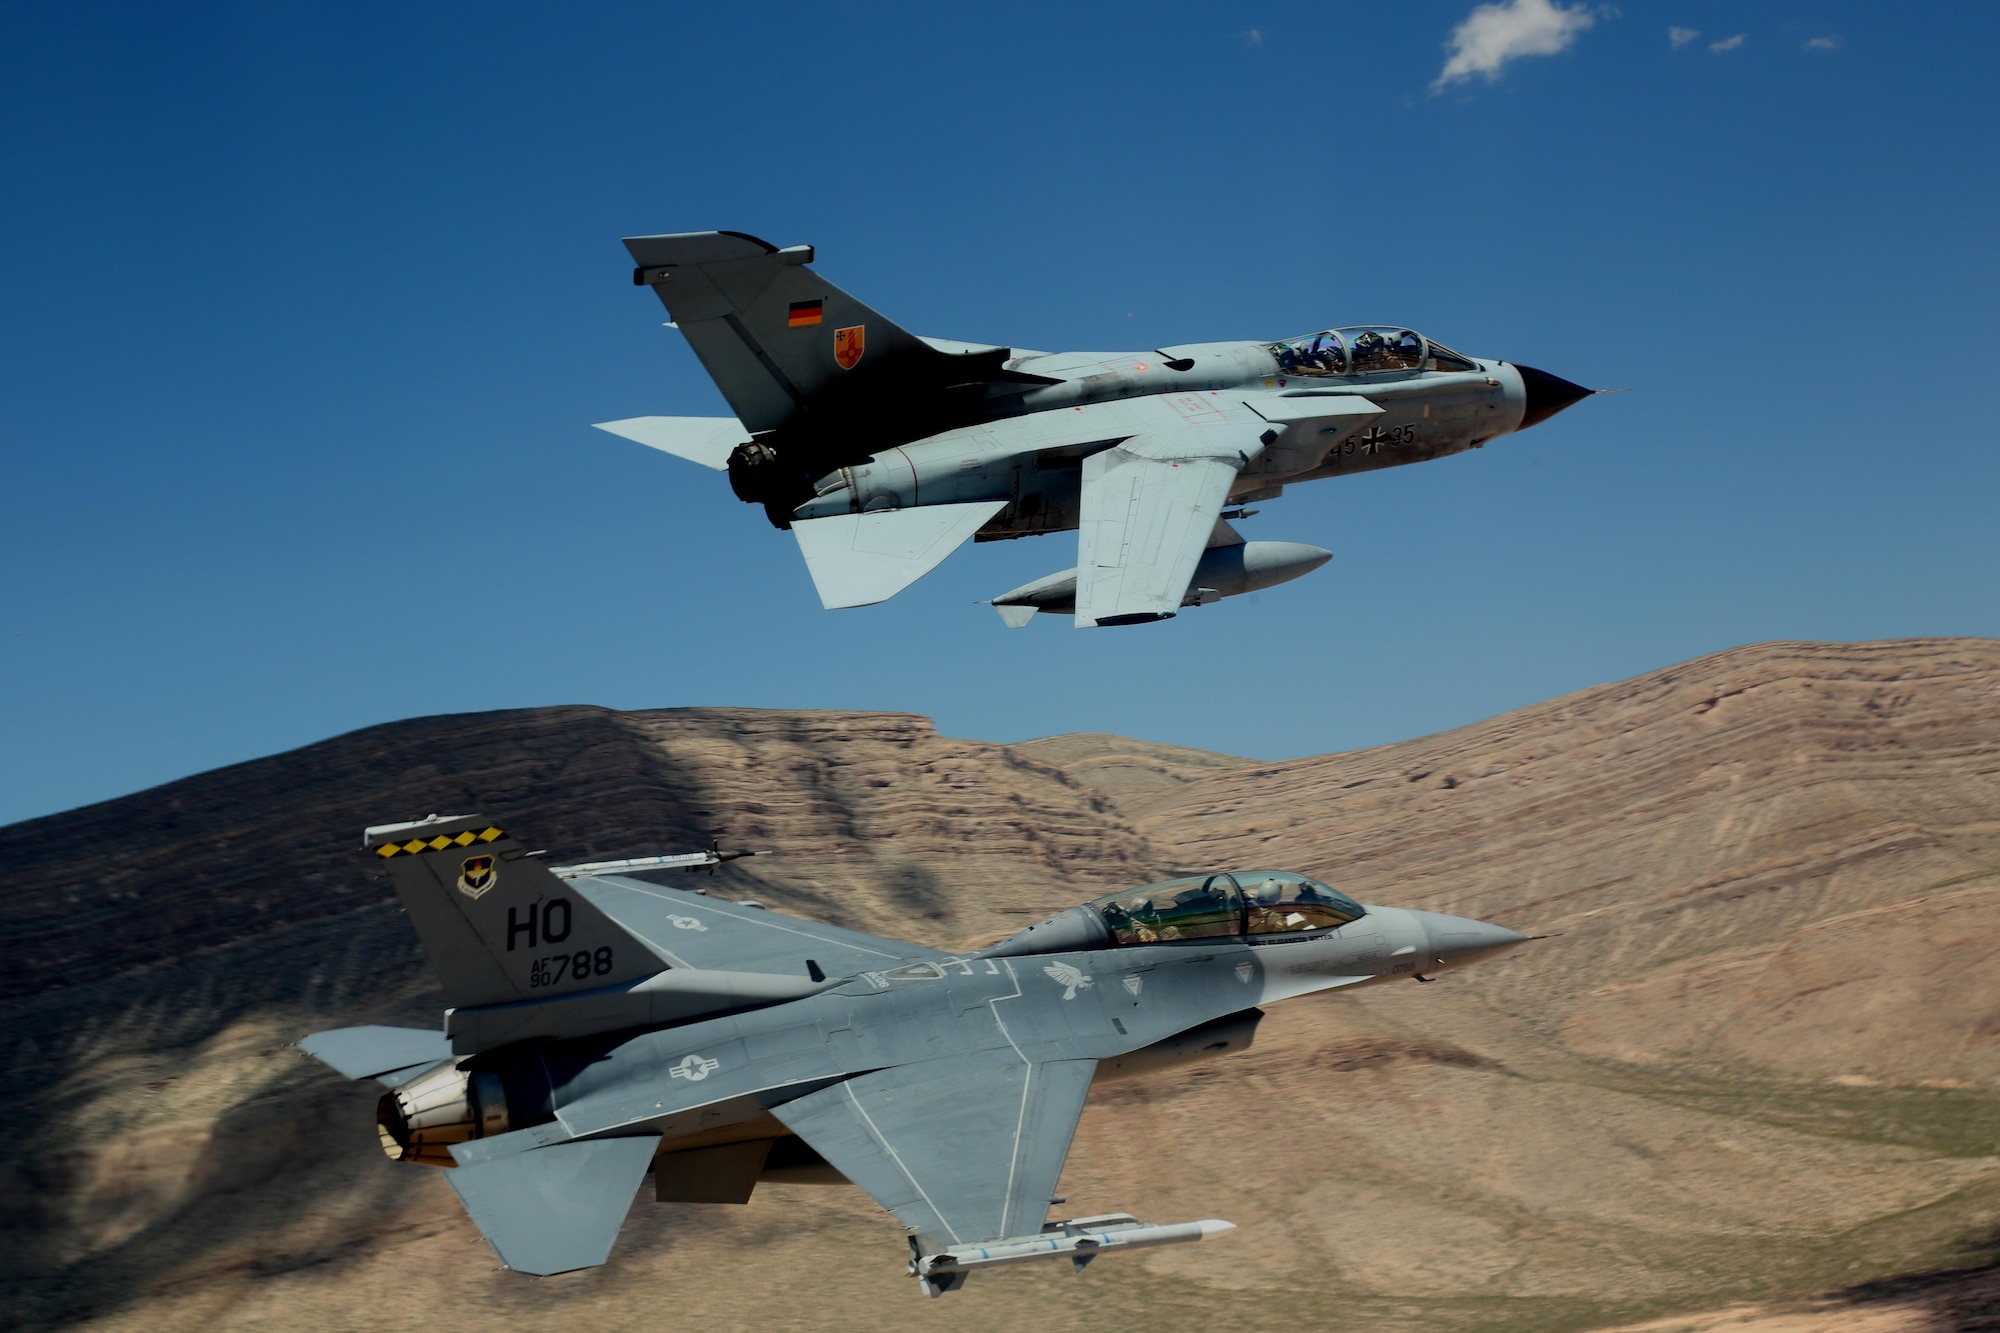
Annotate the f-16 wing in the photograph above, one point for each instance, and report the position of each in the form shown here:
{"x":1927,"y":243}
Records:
{"x":963,"y":1149}
{"x":693,"y":930}
{"x":1148,"y":508}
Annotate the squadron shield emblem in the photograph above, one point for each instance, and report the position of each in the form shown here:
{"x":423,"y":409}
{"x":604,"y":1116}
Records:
{"x":476,"y":875}
{"x":848,"y":345}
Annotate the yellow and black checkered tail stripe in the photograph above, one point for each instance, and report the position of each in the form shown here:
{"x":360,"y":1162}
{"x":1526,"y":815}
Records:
{"x":439,"y":843}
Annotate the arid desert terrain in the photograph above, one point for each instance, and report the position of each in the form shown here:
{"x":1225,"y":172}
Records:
{"x":1752,"y":1083}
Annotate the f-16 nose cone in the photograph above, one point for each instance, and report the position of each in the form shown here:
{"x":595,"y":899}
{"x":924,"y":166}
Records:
{"x":1546,"y":394}
{"x":1457,"y":941}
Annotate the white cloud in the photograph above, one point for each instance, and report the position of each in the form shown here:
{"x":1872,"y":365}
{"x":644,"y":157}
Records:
{"x":1682,"y":36}
{"x":1728,"y":43}
{"x":1823,"y":44}
{"x":1494,"y":34}
{"x":1253,"y":37}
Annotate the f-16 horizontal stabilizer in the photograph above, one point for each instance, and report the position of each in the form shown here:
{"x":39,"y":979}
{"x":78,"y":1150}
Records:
{"x":554,"y":1209}
{"x":704,"y":440}
{"x":388,"y":1054}
{"x":861,"y":559}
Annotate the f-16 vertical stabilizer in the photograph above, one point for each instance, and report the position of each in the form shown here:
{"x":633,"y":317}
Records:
{"x":498,"y":926}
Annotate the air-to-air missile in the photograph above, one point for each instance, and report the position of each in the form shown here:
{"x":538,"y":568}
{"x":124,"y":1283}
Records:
{"x":1082,"y":1239}
{"x":603,"y":1027}
{"x":883,"y":451}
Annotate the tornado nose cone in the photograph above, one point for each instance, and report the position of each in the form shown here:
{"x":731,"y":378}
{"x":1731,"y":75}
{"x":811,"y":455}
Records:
{"x":1546,"y":395}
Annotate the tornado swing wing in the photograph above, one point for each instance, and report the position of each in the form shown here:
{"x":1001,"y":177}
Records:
{"x":1148,"y":508}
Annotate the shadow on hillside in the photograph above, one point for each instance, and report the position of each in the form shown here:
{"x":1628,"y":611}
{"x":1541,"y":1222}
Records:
{"x":84,"y":1062}
{"x":264,"y":1169}
{"x":1953,"y":1300}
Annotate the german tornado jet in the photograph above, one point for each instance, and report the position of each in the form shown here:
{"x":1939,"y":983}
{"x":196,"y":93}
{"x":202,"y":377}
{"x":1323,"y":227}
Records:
{"x":602,"y":1027}
{"x":883,"y":452}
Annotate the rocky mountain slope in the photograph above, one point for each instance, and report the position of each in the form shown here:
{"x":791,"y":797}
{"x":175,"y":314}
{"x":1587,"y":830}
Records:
{"x":1755,"y":1066}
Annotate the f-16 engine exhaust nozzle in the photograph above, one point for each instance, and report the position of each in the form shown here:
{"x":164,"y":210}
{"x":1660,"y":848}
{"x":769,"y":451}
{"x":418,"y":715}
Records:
{"x":420,"y":1121}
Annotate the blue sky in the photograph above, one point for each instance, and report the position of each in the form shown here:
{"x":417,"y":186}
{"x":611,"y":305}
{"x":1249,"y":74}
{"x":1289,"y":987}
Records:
{"x":309,"y":308}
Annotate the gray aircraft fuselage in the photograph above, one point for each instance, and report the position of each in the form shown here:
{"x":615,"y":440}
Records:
{"x":602,"y":1027}
{"x":1034,"y":461}
{"x":712,"y":1081}
{"x":883,"y":451}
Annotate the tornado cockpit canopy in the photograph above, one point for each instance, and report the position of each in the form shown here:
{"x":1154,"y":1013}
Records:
{"x":1365,"y":349}
{"x":1251,"y":902}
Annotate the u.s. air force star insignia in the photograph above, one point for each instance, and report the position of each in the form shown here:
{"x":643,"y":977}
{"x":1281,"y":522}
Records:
{"x":694,"y":1068}
{"x":1068,"y":977}
{"x":477,"y":874}
{"x":848,"y":345}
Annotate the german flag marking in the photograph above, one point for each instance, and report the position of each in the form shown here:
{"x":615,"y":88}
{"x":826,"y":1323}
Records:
{"x":805,"y":314}
{"x":439,"y":843}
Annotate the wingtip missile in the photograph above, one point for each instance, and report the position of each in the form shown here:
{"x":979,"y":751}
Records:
{"x":1080,"y":1240}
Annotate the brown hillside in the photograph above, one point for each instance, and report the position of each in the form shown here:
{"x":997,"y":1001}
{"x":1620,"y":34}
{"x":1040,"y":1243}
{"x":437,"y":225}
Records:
{"x":1756,"y":1067}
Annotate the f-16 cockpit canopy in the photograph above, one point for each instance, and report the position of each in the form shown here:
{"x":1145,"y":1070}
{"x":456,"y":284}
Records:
{"x":1199,"y":907}
{"x":1254,"y":902}
{"x":1365,"y":349}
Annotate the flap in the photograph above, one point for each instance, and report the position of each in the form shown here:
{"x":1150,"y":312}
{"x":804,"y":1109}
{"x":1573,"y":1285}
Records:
{"x":962,"y":1149}
{"x":556,"y":1208}
{"x":861,"y":559}
{"x":704,"y":440}
{"x":364,"y":1052}
{"x":1149,"y":507}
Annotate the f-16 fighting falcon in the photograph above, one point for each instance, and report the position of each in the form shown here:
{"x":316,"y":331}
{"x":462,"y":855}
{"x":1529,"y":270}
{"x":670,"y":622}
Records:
{"x":602,"y":1026}
{"x":883,"y":451}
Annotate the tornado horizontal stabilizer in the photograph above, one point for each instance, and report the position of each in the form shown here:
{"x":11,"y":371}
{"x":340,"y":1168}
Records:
{"x":861,"y":559}
{"x":704,"y":440}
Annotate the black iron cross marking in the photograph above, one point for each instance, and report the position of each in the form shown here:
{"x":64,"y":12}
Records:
{"x":1375,"y":441}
